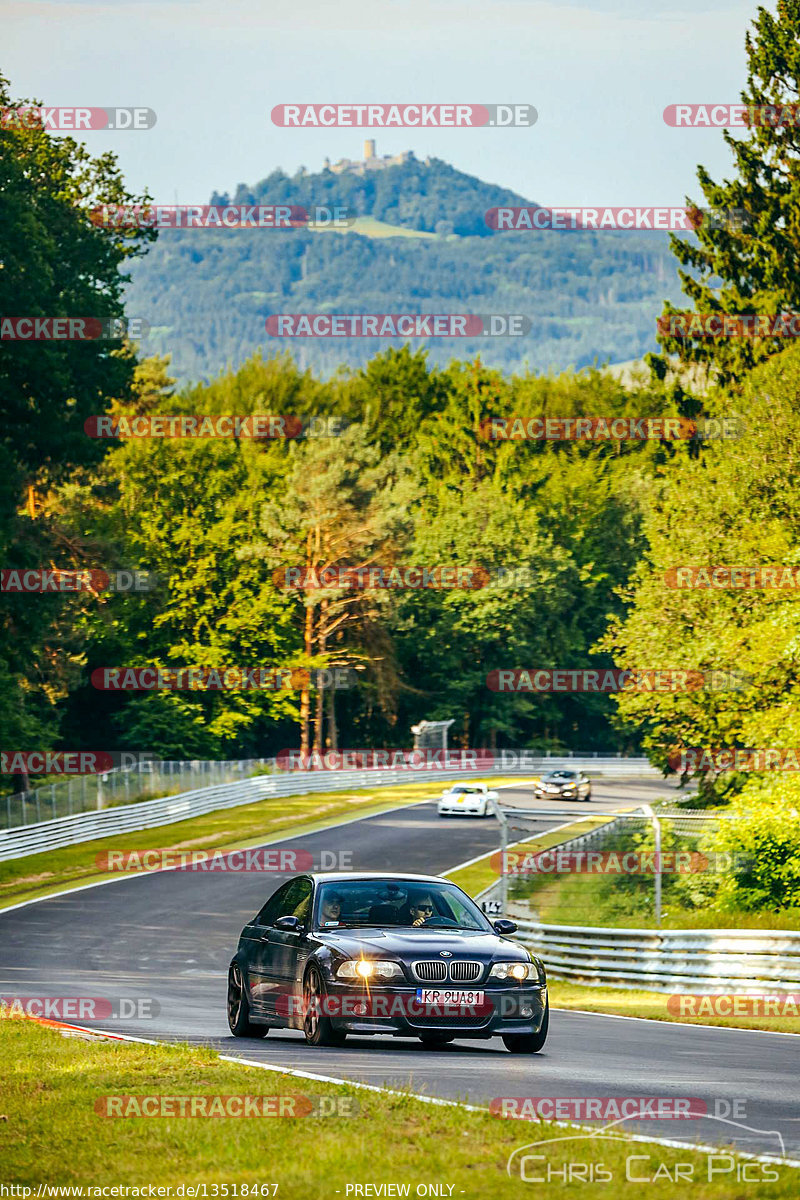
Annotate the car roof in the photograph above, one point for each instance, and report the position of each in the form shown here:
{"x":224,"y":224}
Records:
{"x":345,"y":876}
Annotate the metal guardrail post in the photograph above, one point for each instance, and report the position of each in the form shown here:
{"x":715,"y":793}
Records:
{"x":503,"y":820}
{"x":657,"y":836}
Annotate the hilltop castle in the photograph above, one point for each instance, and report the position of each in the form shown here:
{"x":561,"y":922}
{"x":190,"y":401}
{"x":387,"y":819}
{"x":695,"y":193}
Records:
{"x":370,"y":161}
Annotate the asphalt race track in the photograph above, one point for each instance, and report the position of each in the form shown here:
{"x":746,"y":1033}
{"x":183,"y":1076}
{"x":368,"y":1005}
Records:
{"x":168,"y":937}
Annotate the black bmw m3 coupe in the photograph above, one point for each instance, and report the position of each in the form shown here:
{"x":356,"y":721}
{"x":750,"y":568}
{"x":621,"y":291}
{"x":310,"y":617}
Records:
{"x":398,"y":955}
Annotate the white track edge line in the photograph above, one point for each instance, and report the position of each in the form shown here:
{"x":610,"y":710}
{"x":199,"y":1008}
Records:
{"x":587,"y":1012}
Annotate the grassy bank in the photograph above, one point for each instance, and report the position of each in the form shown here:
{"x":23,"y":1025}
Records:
{"x":50,"y":1131}
{"x":622,"y":902}
{"x":624,"y":1003}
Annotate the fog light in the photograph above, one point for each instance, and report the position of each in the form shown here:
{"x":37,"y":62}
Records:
{"x":360,"y":1010}
{"x":526,"y":1011}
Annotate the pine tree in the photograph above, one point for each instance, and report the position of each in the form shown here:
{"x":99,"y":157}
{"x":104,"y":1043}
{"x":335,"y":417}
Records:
{"x":750,"y":263}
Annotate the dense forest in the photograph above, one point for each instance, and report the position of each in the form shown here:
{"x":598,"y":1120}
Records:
{"x":592,"y":298}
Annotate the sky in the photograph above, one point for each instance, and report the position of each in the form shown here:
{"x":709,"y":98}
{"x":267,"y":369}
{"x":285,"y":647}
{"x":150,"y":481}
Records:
{"x":599,"y":74}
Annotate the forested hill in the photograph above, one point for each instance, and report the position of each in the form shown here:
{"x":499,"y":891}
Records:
{"x":431,"y":197}
{"x":419,"y":245}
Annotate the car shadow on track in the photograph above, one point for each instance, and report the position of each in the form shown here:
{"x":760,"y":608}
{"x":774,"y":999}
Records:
{"x":380,"y":1045}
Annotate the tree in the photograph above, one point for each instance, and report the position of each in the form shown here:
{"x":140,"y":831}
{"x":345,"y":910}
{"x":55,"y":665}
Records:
{"x":53,"y":263}
{"x":738,"y":505}
{"x":750,"y":264}
{"x":343,"y":506}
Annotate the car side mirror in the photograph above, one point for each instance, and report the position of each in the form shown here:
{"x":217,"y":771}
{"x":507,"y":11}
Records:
{"x":291,"y":924}
{"x":503,"y":926}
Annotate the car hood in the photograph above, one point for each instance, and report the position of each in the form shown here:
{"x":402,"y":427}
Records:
{"x":409,"y":944}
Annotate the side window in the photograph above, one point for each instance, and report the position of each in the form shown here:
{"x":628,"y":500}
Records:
{"x":275,"y":905}
{"x":297,"y":900}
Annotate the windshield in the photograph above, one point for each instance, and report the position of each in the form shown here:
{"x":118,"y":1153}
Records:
{"x":388,"y":902}
{"x":561,"y":775}
{"x":466,"y":791}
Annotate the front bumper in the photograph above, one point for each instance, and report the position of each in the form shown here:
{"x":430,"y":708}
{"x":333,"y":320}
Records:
{"x":451,"y":808}
{"x":393,"y":1010}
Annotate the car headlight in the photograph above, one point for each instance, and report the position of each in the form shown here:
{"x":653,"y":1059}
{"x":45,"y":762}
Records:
{"x":369,"y":968}
{"x":513,"y":970}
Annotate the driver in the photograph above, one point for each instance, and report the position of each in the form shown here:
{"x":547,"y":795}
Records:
{"x":417,"y":909}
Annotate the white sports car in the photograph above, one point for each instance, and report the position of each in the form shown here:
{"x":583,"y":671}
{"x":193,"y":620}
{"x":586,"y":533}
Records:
{"x":466,"y":800}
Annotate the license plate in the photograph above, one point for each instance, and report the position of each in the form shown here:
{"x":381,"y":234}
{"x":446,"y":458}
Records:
{"x":448,"y":996}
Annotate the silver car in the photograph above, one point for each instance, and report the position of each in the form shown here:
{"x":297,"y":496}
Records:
{"x":563,"y":785}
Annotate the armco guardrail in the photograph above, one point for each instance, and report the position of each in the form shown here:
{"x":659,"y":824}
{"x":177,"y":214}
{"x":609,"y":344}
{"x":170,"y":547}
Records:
{"x":147,"y":814}
{"x":669,"y":960}
{"x":151,"y":778}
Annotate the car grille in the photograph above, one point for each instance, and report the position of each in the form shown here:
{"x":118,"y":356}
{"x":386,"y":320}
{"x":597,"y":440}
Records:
{"x":430,"y":972}
{"x":467,"y":1020}
{"x":465,"y":972}
{"x":461,"y":971}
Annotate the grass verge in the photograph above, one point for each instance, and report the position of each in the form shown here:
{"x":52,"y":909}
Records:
{"x":628,"y":902}
{"x":226,"y":829}
{"x":50,"y":1132}
{"x":624,"y":1003}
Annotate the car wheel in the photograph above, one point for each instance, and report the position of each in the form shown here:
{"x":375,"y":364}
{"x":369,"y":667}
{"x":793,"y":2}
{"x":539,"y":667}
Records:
{"x":589,"y":794}
{"x":432,"y":1040}
{"x":317,"y":1025}
{"x":239,"y":1007}
{"x":528,"y":1043}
